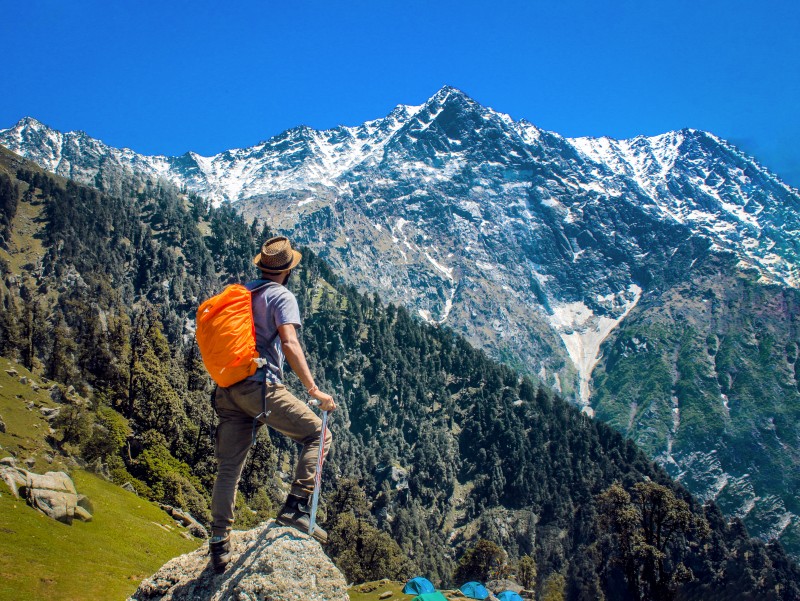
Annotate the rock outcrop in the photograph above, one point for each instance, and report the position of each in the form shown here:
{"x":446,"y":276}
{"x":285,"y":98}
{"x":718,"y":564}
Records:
{"x":52,"y":493}
{"x":268,"y":563}
{"x":185,"y":519}
{"x":498,"y":586}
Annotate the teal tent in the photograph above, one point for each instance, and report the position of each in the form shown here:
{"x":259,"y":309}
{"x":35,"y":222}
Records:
{"x":509,"y":596}
{"x":418,"y":586}
{"x":474,"y":590}
{"x":434,"y":596}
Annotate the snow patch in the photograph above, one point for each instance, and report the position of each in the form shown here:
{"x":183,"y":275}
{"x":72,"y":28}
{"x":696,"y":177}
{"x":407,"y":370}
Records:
{"x":447,"y":271}
{"x":428,"y":317}
{"x":582,"y":333}
{"x":425,"y":315}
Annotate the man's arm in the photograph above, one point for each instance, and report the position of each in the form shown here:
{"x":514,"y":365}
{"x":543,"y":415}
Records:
{"x":297,"y":361}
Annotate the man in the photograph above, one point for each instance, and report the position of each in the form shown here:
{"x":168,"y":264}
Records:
{"x":262,"y":398}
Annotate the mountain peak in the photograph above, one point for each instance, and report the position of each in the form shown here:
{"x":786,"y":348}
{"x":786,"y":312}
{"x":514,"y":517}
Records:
{"x":402,"y":111}
{"x":448,"y":89}
{"x":448,"y":94}
{"x":30,"y":122}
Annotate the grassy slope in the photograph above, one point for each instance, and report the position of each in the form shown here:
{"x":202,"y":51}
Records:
{"x":129,"y":538}
{"x":25,"y":243}
{"x":372,"y":591}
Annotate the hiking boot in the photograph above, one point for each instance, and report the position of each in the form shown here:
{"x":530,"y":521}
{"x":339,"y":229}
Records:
{"x":296,"y":513}
{"x":219,"y":547}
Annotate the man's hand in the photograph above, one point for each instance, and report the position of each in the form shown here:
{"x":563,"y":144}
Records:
{"x":326,"y":402}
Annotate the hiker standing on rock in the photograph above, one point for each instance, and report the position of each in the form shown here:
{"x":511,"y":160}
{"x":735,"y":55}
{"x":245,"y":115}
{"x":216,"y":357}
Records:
{"x":244,"y":407}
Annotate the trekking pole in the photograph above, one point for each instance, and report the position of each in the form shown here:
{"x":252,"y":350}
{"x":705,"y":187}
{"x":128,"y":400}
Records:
{"x":318,"y":475}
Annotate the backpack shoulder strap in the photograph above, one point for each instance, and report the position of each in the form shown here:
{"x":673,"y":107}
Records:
{"x":257,"y":285}
{"x":260,"y":285}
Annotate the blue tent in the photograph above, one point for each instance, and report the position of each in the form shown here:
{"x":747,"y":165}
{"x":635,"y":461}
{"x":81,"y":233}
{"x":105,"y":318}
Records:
{"x":509,"y":596}
{"x":474,"y":590}
{"x":417,"y":586}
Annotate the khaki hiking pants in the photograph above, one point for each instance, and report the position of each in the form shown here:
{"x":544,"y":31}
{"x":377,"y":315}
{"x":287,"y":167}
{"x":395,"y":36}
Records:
{"x":236,"y":407}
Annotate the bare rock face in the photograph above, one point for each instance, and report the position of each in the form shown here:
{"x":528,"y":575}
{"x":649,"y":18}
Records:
{"x":268,"y":563}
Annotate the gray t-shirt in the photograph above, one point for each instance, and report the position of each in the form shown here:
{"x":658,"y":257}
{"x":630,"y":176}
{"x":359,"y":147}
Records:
{"x":273,"y":306}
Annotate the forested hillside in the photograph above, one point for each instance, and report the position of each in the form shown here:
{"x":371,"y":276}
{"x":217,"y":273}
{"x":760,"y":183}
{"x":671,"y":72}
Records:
{"x":436,"y":446}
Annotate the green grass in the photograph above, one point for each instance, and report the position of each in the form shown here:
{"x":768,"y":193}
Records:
{"x":371,"y":591}
{"x":128,"y":539}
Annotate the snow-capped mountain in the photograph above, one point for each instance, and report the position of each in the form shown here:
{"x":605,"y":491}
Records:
{"x":460,"y":197}
{"x":740,"y":205}
{"x":538,"y":248}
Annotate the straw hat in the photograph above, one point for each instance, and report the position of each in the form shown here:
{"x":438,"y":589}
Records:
{"x":277,"y":256}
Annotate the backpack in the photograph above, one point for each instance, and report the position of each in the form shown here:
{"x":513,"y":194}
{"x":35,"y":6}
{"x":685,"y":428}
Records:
{"x":226,"y":335}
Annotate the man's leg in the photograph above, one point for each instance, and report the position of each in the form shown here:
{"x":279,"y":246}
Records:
{"x":236,"y":407}
{"x":293,"y":418}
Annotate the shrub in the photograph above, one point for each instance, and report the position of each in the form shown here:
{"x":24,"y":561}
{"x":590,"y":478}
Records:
{"x":364,"y":553}
{"x":485,"y":561}
{"x":110,"y":432}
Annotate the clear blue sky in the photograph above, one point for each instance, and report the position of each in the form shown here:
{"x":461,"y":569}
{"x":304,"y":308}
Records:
{"x":171,"y":76}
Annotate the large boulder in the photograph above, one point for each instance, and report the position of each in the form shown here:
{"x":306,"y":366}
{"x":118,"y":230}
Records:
{"x":268,"y":563}
{"x":50,"y":413}
{"x":2,"y":424}
{"x":52,"y":493}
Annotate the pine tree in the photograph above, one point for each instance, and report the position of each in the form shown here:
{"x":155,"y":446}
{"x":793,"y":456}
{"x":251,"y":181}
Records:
{"x":526,"y":572}
{"x":553,"y":588}
{"x":61,"y":361}
{"x":652,"y":530}
{"x":32,"y":330}
{"x":9,"y":193}
{"x":365,"y":553}
{"x":10,"y":335}
{"x":154,"y":403}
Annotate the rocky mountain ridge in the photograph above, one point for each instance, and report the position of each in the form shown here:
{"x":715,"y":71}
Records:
{"x":735,"y":191}
{"x":433,"y":189}
{"x":542,"y":250}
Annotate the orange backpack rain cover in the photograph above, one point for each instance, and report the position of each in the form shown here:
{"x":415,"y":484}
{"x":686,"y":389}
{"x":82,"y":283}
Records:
{"x":226,"y":335}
